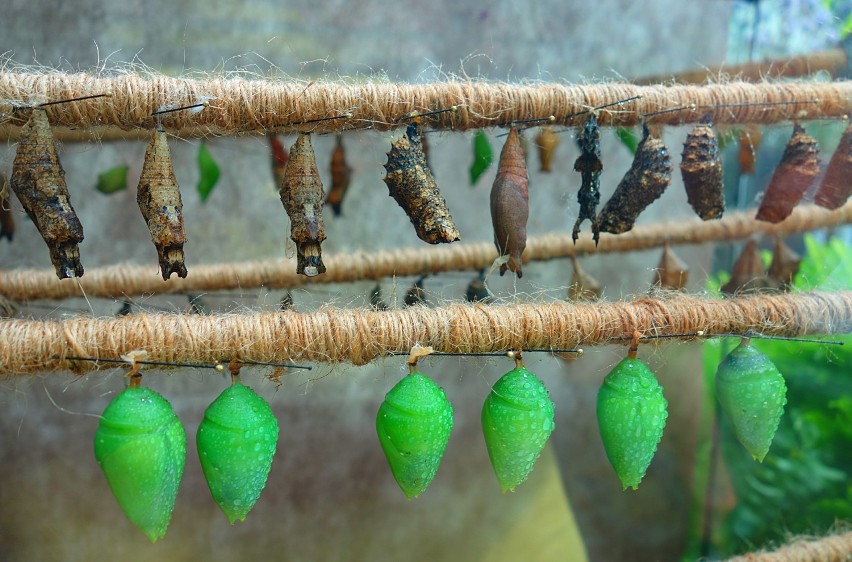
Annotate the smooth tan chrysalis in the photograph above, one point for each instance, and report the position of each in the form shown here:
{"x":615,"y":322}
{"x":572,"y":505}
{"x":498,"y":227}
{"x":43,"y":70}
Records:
{"x":797,"y":171}
{"x":159,"y":200}
{"x":341,"y":174}
{"x":785,"y":264}
{"x":7,"y":219}
{"x":411,"y":184}
{"x":510,"y":204}
{"x":590,"y":167}
{"x":279,"y":159}
{"x":583,"y":286}
{"x":836,"y":185}
{"x":546,"y":141}
{"x":672,"y":272}
{"x":748,"y":273}
{"x":302,"y":196}
{"x":644,"y":183}
{"x":701,"y":169}
{"x":39,"y":182}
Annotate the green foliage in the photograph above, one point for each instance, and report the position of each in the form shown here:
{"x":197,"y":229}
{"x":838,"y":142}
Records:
{"x":628,"y":138}
{"x":209,"y":172}
{"x":483,"y":156}
{"x":114,"y":179}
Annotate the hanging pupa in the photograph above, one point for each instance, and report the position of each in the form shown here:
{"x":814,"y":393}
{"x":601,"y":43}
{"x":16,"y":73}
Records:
{"x":415,"y":295}
{"x":413,"y":425}
{"x":583,"y":286}
{"x":748,"y":272}
{"x":140,"y":445}
{"x":39,"y":182}
{"x":750,"y":137}
{"x":645,"y":181}
{"x":279,"y":159}
{"x":7,"y":219}
{"x":797,"y":171}
{"x":411,"y":184}
{"x":752,"y":394}
{"x":701,"y":170}
{"x":785,"y":264}
{"x":302,"y":196}
{"x":672,"y":273}
{"x":546,"y":142}
{"x":517,"y":420}
{"x":236,"y":441}
{"x":158,"y":196}
{"x":510,"y":205}
{"x":590,"y":167}
{"x":341,"y":174}
{"x":836,"y":186}
{"x":632,"y":414}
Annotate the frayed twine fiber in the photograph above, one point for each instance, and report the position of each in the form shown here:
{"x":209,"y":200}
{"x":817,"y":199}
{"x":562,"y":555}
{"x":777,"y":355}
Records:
{"x":359,"y":336}
{"x":832,"y":548}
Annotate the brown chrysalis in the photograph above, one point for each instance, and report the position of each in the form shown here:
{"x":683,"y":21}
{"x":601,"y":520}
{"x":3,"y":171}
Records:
{"x":341,"y":173}
{"x":546,"y":142}
{"x":583,"y":286}
{"x":748,"y":273}
{"x":411,"y":184}
{"x":836,"y":185}
{"x":701,"y":169}
{"x":302,"y":196}
{"x":645,"y":181}
{"x":785,"y":264}
{"x":415,"y":294}
{"x":672,"y":272}
{"x":279,"y":159}
{"x":477,"y":291}
{"x":158,"y":196}
{"x":798,"y":169}
{"x":39,"y":182}
{"x":376,"y":301}
{"x":590,"y":167}
{"x":7,"y":219}
{"x":750,"y":137}
{"x":510,"y":204}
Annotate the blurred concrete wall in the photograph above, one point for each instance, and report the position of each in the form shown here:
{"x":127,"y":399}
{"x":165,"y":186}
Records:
{"x":330,"y":495}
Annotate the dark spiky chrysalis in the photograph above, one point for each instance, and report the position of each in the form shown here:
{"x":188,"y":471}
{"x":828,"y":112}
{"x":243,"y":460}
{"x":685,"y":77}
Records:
{"x":701,"y":170}
{"x":590,"y":167}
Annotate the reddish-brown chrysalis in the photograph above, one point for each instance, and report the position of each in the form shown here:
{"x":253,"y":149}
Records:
{"x":785,"y":264}
{"x":836,"y":185}
{"x":583,"y":286}
{"x":279,"y":159}
{"x":411,"y":184}
{"x":750,"y":137}
{"x":701,"y":169}
{"x":644,"y":183}
{"x":159,"y":200}
{"x":302,"y":196}
{"x":590,"y":167}
{"x":672,"y":272}
{"x":7,"y":220}
{"x":510,"y":204}
{"x":341,"y":173}
{"x":546,"y":141}
{"x":39,"y":182}
{"x":748,"y":273}
{"x":798,"y":169}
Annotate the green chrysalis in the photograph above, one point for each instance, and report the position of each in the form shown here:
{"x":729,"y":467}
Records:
{"x":631,"y":418}
{"x":141,"y":447}
{"x":517,"y":419}
{"x":236,"y":442}
{"x":752,"y":394}
{"x":414,"y":424}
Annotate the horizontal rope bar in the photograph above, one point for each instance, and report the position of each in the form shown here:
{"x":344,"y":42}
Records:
{"x":239,"y":106}
{"x":832,"y":548}
{"x":121,"y":281}
{"x":359,"y":336}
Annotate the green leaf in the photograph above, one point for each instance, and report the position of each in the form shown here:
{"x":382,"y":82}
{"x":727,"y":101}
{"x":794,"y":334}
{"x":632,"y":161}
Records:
{"x":114,"y":179}
{"x":209,"y":172}
{"x":483,"y":156}
{"x":628,"y":137}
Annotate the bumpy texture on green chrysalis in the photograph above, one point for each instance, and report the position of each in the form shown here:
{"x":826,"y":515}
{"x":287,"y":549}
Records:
{"x":631,"y":418}
{"x":752,"y":394}
{"x":236,"y":442}
{"x":141,"y":447}
{"x":517,"y":419}
{"x":414,"y":424}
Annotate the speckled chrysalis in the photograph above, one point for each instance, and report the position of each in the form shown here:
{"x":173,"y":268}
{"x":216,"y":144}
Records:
{"x":414,"y":425}
{"x":752,"y":394}
{"x":631,"y":418}
{"x":517,"y":419}
{"x":141,"y":447}
{"x":236,"y":442}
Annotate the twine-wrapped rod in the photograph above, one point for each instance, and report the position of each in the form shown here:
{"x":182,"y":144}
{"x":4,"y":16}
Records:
{"x":239,"y":106}
{"x":122,"y":281}
{"x":359,"y":335}
{"x":832,"y":548}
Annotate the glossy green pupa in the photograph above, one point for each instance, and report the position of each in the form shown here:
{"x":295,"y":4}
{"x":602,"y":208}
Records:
{"x":632,"y":414}
{"x":517,"y":420}
{"x":236,"y":441}
{"x":141,"y":446}
{"x":752,"y":394}
{"x":414,"y":424}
